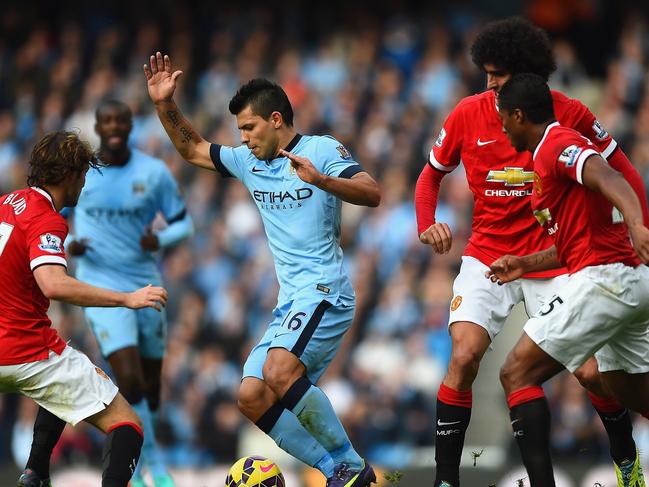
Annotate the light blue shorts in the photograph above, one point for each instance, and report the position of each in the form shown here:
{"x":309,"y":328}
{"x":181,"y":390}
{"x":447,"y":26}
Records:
{"x":310,"y":328}
{"x":117,"y":328}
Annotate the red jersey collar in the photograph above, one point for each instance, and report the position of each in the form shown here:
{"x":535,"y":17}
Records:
{"x":545,"y":134}
{"x":46,"y":194}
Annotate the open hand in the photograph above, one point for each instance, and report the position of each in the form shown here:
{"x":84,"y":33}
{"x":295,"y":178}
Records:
{"x":160,"y":78}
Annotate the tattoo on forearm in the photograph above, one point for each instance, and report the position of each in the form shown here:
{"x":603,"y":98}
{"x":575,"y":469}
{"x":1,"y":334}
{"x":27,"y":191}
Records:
{"x":187,"y":134}
{"x":549,"y":254}
{"x":172,"y":116}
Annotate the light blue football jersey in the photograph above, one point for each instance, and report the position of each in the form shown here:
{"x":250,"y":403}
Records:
{"x":302,"y":222}
{"x":116,"y":206}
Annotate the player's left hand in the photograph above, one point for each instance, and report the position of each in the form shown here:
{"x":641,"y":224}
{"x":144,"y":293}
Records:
{"x":304,"y":168}
{"x":640,"y":240}
{"x":150,"y":242}
{"x":505,"y":269}
{"x":147,"y":297}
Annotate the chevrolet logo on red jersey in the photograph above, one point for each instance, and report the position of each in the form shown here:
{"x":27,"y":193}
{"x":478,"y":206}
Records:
{"x":511,"y":176}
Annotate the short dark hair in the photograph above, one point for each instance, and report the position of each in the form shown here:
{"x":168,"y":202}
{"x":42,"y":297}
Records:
{"x":112,"y":103}
{"x":57,"y":155}
{"x":529,"y":93}
{"x":264,"y":98}
{"x":514,"y":45}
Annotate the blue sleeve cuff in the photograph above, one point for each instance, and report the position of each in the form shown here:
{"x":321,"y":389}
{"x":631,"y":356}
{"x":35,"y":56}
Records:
{"x":215,"y":155}
{"x":351,"y":171}
{"x":178,"y":217}
{"x":176,"y":231}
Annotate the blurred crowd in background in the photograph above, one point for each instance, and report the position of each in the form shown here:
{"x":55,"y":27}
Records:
{"x":380,"y":80}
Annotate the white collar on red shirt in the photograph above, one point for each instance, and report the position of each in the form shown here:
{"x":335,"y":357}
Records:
{"x":545,"y":134}
{"x":46,"y":194}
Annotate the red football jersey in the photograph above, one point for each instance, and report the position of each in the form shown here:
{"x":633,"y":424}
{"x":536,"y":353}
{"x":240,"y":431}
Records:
{"x":587,"y":229}
{"x":501,"y":178}
{"x":31,"y":234}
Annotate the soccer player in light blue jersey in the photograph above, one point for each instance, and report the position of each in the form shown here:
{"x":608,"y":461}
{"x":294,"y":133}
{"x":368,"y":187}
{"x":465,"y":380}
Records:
{"x":115,"y":248}
{"x":298,"y":183}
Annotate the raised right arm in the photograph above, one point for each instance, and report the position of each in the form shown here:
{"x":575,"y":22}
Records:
{"x":189,"y":143}
{"x":161,"y":83}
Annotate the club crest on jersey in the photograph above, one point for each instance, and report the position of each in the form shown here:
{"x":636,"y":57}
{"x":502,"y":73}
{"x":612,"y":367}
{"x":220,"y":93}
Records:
{"x":344,"y":153}
{"x":600,"y":132}
{"x":50,"y":243}
{"x":543,"y":216}
{"x":455,"y":304}
{"x":569,"y":155}
{"x":440,"y":138}
{"x":101,"y":373}
{"x":511,"y":176}
{"x":138,"y":188}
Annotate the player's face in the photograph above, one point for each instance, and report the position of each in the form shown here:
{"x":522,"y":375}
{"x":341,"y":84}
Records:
{"x":258,"y":134}
{"x":496,"y":77}
{"x":513,"y":128}
{"x":113,"y":125}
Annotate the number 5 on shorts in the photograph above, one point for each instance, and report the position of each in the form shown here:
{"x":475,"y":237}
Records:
{"x":550,"y":306}
{"x":5,"y":233}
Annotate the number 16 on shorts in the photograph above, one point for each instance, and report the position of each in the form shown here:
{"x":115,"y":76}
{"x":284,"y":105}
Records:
{"x":294,"y":320}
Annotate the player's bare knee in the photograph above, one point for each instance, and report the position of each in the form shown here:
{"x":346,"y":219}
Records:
{"x":589,"y":378}
{"x":505,"y":376}
{"x":277,"y":378}
{"x":281,"y":370}
{"x":465,"y":362}
{"x":251,"y":398}
{"x":510,"y":374}
{"x":118,"y":411}
{"x":132,"y":417}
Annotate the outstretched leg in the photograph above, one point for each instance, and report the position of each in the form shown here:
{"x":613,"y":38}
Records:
{"x":259,"y":404}
{"x":526,"y":368}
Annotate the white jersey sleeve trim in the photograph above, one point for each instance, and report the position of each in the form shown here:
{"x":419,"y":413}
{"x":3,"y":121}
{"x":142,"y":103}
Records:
{"x":47,"y":259}
{"x":439,"y":166}
{"x":609,"y":150}
{"x":581,"y":160}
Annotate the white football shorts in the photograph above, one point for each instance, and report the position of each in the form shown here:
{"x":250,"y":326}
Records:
{"x":69,"y":385}
{"x":478,"y":300}
{"x":602,"y":310}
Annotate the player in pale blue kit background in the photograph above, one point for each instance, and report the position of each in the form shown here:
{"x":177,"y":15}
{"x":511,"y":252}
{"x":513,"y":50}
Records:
{"x":298,"y":183}
{"x":114,"y":245}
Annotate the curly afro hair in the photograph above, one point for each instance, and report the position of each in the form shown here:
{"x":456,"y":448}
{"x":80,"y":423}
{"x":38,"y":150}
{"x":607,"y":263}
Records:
{"x":514,"y":45}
